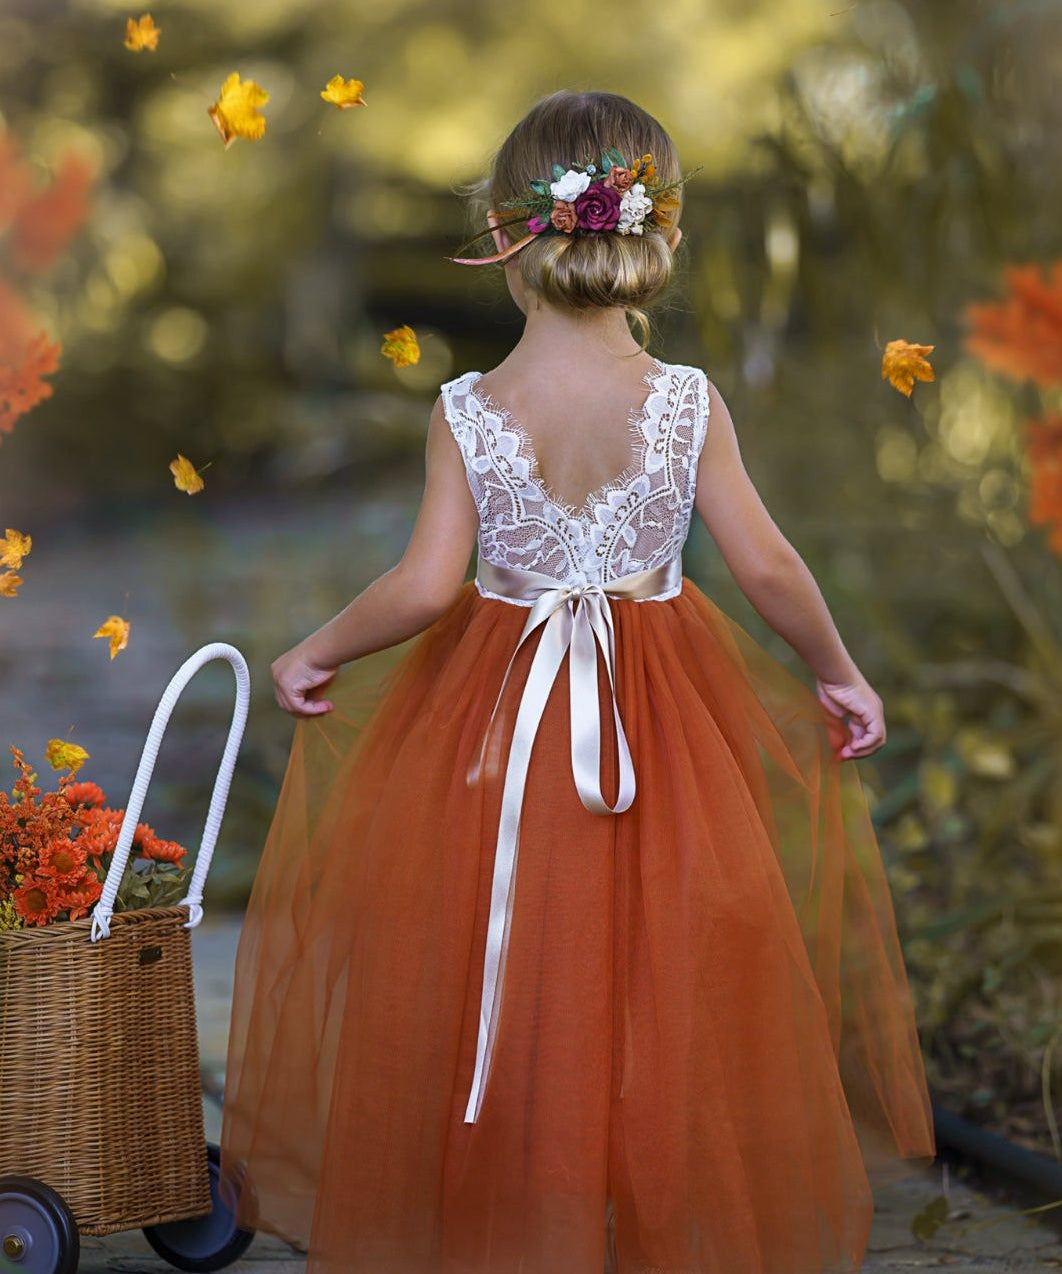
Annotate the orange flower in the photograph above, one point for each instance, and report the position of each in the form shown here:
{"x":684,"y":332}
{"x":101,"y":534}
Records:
{"x":35,"y":901}
{"x":62,"y":860}
{"x":162,"y":851}
{"x":79,"y":897}
{"x":85,"y":793}
{"x":621,"y":178}
{"x":903,"y":363}
{"x":99,"y":832}
{"x":563,"y":216}
{"x":1021,"y":336}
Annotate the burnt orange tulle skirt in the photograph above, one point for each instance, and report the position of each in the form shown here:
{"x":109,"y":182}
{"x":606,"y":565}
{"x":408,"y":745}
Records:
{"x":706,"y":1052}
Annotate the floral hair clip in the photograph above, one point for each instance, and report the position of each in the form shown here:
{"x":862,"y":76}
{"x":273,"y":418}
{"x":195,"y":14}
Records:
{"x":590,"y":198}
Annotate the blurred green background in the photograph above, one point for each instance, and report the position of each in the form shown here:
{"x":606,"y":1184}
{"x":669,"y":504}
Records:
{"x":869,"y":169}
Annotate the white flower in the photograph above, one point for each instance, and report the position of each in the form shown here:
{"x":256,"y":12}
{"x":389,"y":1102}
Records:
{"x":570,"y":185}
{"x":635,"y":205}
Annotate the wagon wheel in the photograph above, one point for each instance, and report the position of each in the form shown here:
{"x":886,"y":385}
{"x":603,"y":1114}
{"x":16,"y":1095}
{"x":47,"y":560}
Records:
{"x":202,"y":1243}
{"x":38,"y":1233}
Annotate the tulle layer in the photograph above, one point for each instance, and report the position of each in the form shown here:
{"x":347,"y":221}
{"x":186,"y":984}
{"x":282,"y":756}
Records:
{"x":706,"y":1053}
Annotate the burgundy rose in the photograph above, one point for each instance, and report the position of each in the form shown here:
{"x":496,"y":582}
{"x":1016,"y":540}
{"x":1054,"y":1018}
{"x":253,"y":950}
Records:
{"x":598,"y":207}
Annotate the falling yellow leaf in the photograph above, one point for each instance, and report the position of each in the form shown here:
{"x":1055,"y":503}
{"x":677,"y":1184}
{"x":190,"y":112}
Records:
{"x":343,"y":93}
{"x":235,"y":113}
{"x":117,"y":629}
{"x":63,"y":755}
{"x":14,"y":547}
{"x":903,"y":363}
{"x":400,"y":345}
{"x":141,"y":33}
{"x":185,"y":475}
{"x":9,"y":584}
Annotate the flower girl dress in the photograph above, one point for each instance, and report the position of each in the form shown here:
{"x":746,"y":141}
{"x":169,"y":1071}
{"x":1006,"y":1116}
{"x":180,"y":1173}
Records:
{"x":571,"y":948}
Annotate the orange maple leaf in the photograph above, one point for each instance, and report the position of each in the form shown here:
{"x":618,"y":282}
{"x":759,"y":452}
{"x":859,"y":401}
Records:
{"x":343,"y":93}
{"x":400,"y":346}
{"x":14,"y":547}
{"x":235,"y":113}
{"x":141,"y":33}
{"x":117,"y":629}
{"x":903,"y":363}
{"x":9,"y":584}
{"x":185,"y":475}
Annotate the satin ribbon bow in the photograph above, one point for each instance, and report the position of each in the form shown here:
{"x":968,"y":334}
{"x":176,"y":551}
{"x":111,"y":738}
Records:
{"x":575,"y":617}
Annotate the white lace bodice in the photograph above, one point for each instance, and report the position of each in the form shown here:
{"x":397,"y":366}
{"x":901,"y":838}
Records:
{"x":637,"y":520}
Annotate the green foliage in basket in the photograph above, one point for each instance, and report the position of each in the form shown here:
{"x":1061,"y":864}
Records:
{"x":56,"y":848}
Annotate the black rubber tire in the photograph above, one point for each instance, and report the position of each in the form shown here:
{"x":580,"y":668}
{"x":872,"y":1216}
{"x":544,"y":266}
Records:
{"x":22,"y":1195}
{"x":202,"y":1243}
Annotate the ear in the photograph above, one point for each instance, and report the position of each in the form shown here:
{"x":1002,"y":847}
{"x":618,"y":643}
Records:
{"x":501,"y":237}
{"x":674,"y":237}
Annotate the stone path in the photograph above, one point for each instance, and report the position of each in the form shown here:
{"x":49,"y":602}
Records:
{"x":980,"y":1234}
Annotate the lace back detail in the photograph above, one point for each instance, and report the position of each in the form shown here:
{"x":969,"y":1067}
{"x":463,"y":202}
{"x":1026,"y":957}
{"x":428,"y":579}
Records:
{"x":636,"y":520}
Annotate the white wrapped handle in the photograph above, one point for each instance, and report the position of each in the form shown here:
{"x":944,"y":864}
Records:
{"x":104,"y":908}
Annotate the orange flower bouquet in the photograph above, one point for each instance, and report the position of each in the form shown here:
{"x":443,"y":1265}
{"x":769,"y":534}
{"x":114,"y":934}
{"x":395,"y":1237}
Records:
{"x":56,"y":848}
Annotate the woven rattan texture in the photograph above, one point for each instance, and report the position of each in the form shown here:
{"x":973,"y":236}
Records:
{"x":99,"y":1068}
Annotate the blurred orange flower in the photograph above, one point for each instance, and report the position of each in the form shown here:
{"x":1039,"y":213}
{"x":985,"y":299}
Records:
{"x":1021,"y":336}
{"x":22,"y":385}
{"x":1044,"y":449}
{"x":35,"y":900}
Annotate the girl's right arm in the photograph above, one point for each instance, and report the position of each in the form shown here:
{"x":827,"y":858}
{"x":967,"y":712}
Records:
{"x":777,"y":582}
{"x":403,"y":601}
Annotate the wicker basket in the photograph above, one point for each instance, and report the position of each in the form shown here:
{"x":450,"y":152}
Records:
{"x":100,"y":1093}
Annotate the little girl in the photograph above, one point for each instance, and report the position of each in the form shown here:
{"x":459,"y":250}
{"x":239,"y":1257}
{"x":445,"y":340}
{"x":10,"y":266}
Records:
{"x":571,"y":947}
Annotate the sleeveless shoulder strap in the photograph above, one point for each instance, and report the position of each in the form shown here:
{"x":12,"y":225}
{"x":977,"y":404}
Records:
{"x":460,"y":415}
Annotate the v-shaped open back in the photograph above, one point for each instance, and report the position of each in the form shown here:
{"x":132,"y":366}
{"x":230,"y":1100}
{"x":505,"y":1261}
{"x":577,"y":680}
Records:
{"x":635,"y":521}
{"x":635,"y":427}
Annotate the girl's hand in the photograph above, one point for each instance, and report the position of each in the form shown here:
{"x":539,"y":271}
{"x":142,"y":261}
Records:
{"x":294,"y":673}
{"x":867,"y":724}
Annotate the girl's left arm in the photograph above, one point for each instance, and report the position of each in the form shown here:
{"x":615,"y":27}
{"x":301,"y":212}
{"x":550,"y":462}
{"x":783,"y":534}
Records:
{"x":403,"y":601}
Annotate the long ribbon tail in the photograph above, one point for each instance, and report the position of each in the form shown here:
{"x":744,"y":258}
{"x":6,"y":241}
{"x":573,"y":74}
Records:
{"x":556,"y":637}
{"x":593,"y":628}
{"x":498,"y":256}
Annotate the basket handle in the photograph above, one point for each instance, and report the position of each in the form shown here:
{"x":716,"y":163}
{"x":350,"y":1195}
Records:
{"x":104,"y":908}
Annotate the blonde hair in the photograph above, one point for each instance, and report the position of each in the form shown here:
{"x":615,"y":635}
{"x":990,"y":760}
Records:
{"x":582,"y":270}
